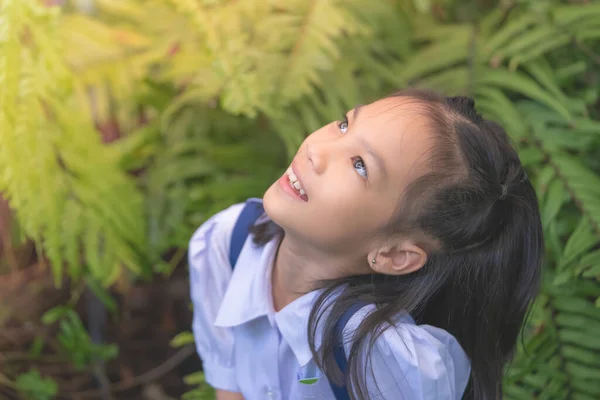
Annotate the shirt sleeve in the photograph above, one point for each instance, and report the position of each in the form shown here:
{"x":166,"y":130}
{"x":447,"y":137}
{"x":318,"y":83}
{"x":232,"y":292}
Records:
{"x":210,"y":273}
{"x":417,"y":362}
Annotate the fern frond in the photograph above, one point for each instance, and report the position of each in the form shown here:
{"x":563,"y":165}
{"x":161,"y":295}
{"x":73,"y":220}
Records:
{"x":494,"y":103}
{"x":249,"y":67}
{"x":560,"y":357}
{"x":314,"y":50}
{"x":438,"y":56}
{"x":108,"y":62}
{"x":46,"y":150}
{"x":517,"y":82}
{"x":554,"y":134}
{"x":515,"y":26}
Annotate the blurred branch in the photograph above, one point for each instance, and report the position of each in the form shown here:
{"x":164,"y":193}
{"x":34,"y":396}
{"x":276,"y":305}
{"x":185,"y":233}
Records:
{"x":152,"y":375}
{"x":6,"y":245}
{"x":4,"y":380}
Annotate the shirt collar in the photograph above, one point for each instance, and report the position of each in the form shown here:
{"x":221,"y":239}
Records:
{"x":248,"y":295}
{"x":292,"y":321}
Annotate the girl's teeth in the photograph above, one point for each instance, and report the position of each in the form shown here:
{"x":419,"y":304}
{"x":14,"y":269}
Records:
{"x":294,"y":181}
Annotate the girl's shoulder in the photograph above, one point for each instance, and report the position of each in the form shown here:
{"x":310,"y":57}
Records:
{"x":214,"y":235}
{"x":210,"y":274}
{"x":415,"y":359}
{"x":210,"y":246}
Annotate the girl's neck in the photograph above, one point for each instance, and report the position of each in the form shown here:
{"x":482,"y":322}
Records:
{"x":298,"y":267}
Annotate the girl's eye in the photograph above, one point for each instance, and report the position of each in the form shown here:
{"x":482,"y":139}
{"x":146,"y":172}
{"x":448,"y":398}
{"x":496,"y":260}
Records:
{"x":343,"y":124}
{"x":360,"y":167}
{"x":357,"y":162}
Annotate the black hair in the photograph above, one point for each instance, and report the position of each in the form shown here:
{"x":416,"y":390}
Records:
{"x":476,"y":214}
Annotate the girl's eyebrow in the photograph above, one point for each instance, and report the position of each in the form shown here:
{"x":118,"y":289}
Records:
{"x":376,"y":157}
{"x":356,"y":111}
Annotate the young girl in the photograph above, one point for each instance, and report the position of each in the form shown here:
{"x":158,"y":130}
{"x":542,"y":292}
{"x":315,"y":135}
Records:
{"x":396,"y":259}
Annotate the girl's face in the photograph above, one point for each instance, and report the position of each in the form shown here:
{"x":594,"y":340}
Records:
{"x":352,"y":174}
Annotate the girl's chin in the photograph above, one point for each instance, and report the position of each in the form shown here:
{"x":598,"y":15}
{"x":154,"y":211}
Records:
{"x":286,"y":189}
{"x":281,"y":209}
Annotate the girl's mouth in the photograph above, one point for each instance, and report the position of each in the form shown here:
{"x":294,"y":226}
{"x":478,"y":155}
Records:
{"x":295,"y":182}
{"x":291,"y":182}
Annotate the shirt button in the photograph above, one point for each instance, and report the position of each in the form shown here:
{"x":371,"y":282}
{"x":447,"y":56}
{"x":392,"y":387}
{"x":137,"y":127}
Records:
{"x":272,"y":393}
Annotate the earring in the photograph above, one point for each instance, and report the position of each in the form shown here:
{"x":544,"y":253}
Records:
{"x":373,"y":261}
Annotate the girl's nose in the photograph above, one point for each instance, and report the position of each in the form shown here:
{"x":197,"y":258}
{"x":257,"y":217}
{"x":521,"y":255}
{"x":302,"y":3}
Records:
{"x":317,"y":155}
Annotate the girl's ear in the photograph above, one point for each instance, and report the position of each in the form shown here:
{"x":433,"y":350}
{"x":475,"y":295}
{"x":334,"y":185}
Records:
{"x":401,"y":258}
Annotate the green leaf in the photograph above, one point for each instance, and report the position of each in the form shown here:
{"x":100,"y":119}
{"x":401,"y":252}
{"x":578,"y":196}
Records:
{"x":554,"y":245}
{"x":517,"y":82}
{"x":581,"y":240}
{"x":576,"y":337}
{"x":422,"y":6}
{"x":514,"y":27}
{"x":591,"y":387}
{"x":543,"y":179}
{"x":491,"y":20}
{"x":576,"y":305}
{"x":579,"y":322}
{"x":34,"y":387}
{"x":440,"y":55}
{"x":536,"y":381}
{"x":590,"y":126}
{"x":554,"y":201}
{"x":557,"y":139}
{"x":530,"y":156}
{"x":55,"y":313}
{"x":543,"y":48}
{"x":580,"y":355}
{"x":584,"y":372}
{"x":107,"y":352}
{"x":451,"y":80}
{"x":430,"y":30}
{"x":543,"y":73}
{"x":581,"y":396}
{"x":182,"y":339}
{"x":586,"y":288}
{"x":102,"y":294}
{"x":517,"y":393}
{"x":563,"y":277}
{"x":500,"y":108}
{"x":36,"y":347}
{"x":203,"y":393}
{"x":567,"y":72}
{"x":530,"y":38}
{"x":583,"y":183}
{"x":570,"y":14}
{"x":591,"y":272}
{"x":197,"y":378}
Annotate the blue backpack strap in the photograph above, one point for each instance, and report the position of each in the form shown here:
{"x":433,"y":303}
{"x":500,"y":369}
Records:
{"x":250,"y":213}
{"x":341,"y":392}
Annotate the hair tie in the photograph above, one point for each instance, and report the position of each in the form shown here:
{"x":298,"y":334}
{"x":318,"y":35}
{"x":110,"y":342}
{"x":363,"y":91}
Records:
{"x":504,"y":191}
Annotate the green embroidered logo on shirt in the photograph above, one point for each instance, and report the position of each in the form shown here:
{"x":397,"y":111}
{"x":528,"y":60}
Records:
{"x":309,"y":381}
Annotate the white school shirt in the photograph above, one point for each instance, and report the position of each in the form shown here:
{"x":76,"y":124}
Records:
{"x":249,"y":348}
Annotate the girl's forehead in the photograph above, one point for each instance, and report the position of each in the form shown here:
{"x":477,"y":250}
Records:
{"x":394,"y":119}
{"x":399,"y":130}
{"x":396,"y":109}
